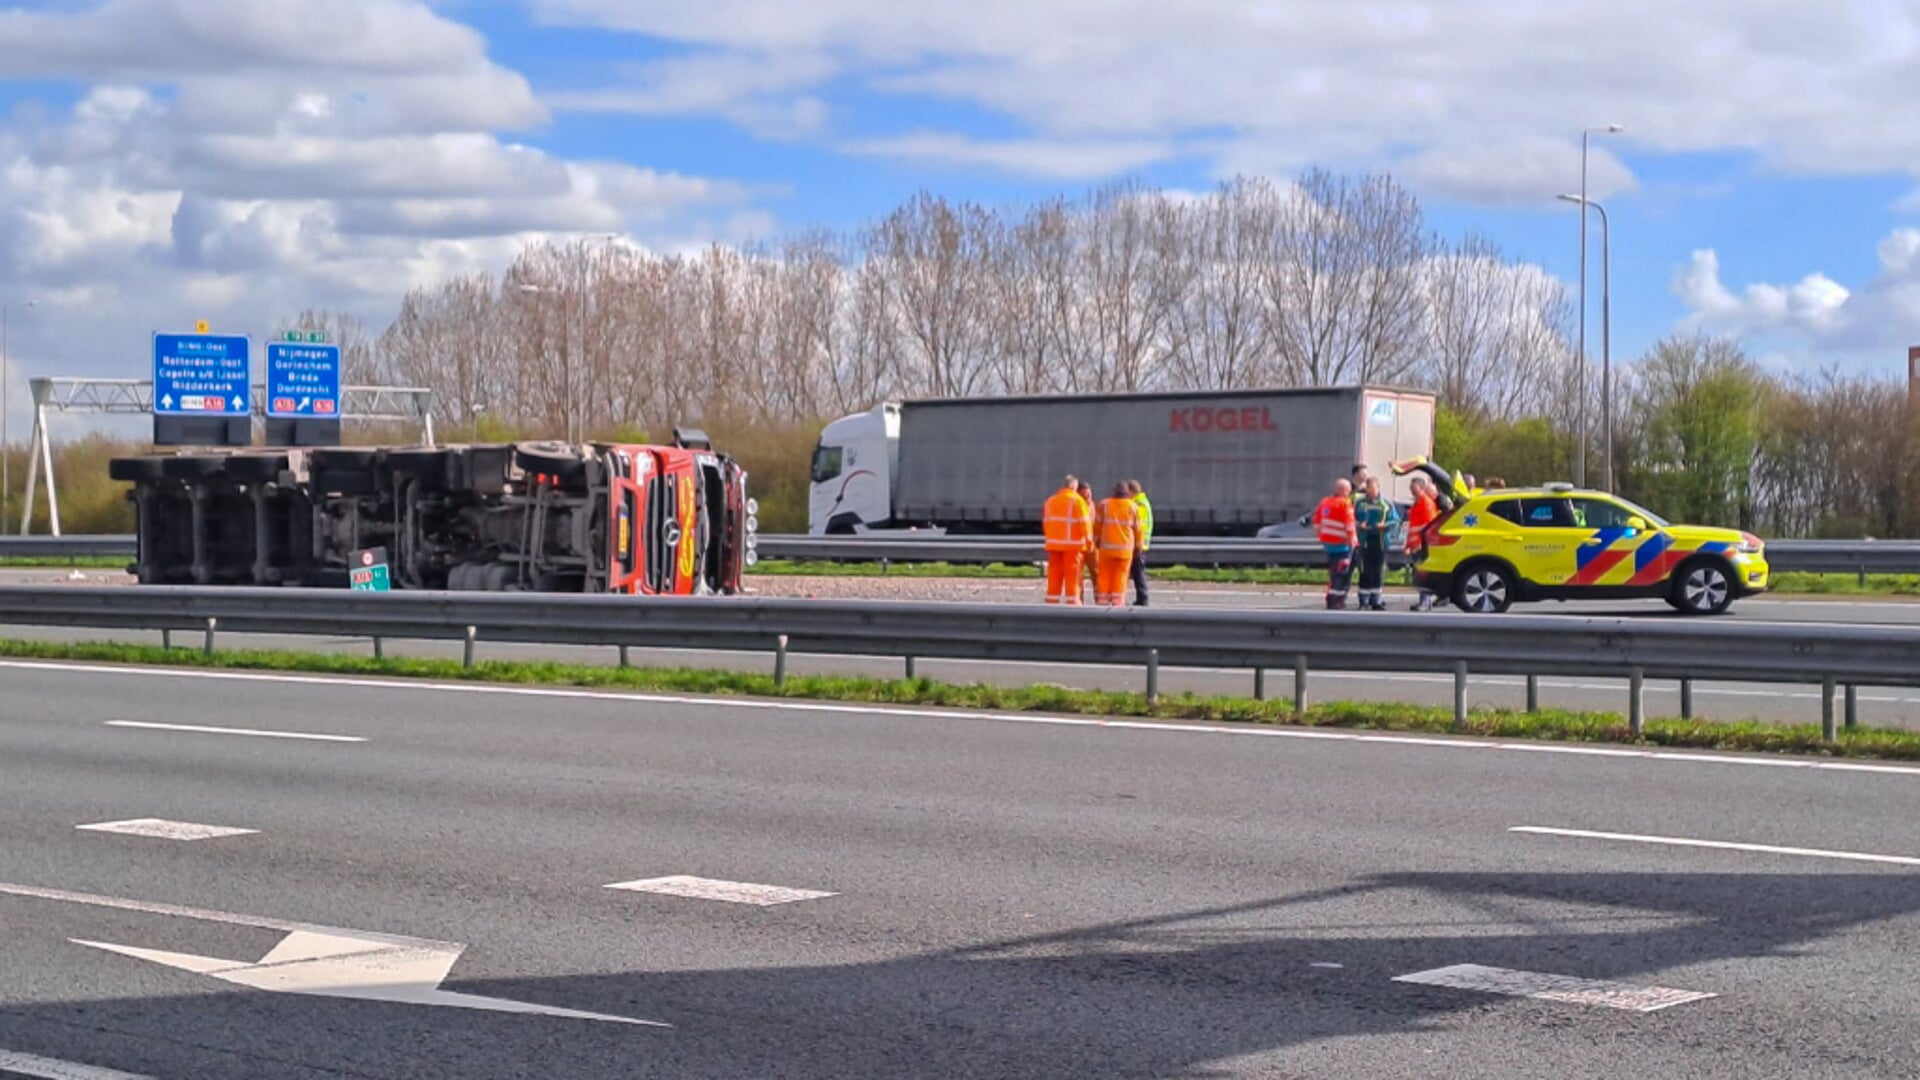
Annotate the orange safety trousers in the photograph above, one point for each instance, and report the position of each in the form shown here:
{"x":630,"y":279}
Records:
{"x":1110,"y":580}
{"x":1063,"y":577}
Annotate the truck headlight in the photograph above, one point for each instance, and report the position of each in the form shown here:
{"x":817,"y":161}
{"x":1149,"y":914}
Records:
{"x":753,"y":507}
{"x":753,"y":523}
{"x":752,"y":556}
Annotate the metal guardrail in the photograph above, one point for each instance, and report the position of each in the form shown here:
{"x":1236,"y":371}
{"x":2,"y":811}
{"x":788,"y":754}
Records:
{"x":1831,"y":655}
{"x":67,"y":547}
{"x":1810,"y":556}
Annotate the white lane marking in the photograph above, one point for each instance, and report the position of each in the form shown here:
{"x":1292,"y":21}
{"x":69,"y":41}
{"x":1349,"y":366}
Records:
{"x":203,"y":730}
{"x":318,"y":961}
{"x":1719,"y":845}
{"x":1562,"y":988}
{"x":162,"y":829}
{"x":46,"y":1068}
{"x":732,"y":892}
{"x":766,"y":705}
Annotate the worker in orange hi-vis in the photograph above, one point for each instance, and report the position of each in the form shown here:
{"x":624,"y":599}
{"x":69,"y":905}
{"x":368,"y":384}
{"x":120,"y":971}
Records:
{"x":1089,"y":556}
{"x":1117,"y":526}
{"x":1068,"y":522}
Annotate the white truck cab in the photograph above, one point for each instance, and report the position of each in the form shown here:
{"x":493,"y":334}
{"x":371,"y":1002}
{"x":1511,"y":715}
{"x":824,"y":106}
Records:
{"x":855,"y":467}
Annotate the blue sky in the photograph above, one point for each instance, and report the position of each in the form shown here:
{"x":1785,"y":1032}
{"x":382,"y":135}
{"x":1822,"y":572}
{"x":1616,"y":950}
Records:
{"x":163,"y":160}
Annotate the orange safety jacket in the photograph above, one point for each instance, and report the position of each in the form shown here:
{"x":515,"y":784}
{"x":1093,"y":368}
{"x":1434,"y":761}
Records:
{"x":1421,"y":515}
{"x":1067,"y":521}
{"x":1118,"y":525}
{"x":1335,"y":521}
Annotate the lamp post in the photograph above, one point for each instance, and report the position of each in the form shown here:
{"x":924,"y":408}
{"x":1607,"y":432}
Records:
{"x":6,"y":381}
{"x":476,"y":408}
{"x":1580,"y":444}
{"x":566,"y":366}
{"x":1606,"y":339}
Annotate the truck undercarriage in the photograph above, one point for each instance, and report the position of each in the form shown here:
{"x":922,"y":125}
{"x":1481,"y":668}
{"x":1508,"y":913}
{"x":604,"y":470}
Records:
{"x":535,"y":517}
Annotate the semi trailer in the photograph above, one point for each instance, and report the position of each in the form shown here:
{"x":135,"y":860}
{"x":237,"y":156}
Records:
{"x":535,"y":517}
{"x":1226,"y":463}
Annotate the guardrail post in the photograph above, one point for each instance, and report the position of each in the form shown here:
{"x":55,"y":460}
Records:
{"x":166,"y":639}
{"x":1533,"y":693}
{"x":472,"y":633}
{"x":912,"y":669}
{"x":1863,"y":577}
{"x":1460,"y":694}
{"x":379,"y":648}
{"x":1259,"y":684}
{"x":1853,"y":707}
{"x":780,"y":662}
{"x":1827,"y":731}
{"x":626,"y":658}
{"x":211,"y":623}
{"x":1300,"y":686}
{"x":1153,"y":677}
{"x":1686,"y":699}
{"x":1637,"y":702}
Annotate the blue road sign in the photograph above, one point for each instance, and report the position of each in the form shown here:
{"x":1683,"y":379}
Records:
{"x":201,"y":375}
{"x":303,"y":381}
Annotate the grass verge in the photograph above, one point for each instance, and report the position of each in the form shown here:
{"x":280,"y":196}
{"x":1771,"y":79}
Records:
{"x":62,"y":562}
{"x":1548,"y":724}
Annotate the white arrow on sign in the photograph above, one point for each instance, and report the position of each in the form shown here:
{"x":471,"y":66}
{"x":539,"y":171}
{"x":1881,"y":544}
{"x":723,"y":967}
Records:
{"x":167,"y":402}
{"x":321,"y":961}
{"x":239,"y":402}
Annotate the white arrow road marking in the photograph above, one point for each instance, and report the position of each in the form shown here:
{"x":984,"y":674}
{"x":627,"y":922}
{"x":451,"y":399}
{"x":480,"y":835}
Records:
{"x":54,"y":1069}
{"x":320,"y":961}
{"x":162,"y":829}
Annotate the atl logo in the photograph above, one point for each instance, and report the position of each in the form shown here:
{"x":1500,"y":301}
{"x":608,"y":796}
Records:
{"x":1204,"y":420}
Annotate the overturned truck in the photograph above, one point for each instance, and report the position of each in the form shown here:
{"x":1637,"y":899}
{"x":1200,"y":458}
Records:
{"x":531,"y":517}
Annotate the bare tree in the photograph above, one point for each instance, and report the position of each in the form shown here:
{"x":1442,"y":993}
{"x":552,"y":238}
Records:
{"x":937,"y":258}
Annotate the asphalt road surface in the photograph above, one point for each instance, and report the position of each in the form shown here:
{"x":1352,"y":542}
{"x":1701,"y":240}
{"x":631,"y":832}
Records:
{"x":424,"y":894}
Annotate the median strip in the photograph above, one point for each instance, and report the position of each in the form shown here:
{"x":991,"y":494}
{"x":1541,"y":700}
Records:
{"x":1548,"y":725}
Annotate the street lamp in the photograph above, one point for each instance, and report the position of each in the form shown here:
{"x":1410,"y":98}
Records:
{"x":566,"y":362}
{"x":1580,"y":445}
{"x":1606,"y":337}
{"x":476,"y":408}
{"x":6,"y":380}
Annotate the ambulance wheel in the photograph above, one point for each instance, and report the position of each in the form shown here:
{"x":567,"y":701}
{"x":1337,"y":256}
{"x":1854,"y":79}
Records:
{"x":1483,"y":589}
{"x":1702,"y":587}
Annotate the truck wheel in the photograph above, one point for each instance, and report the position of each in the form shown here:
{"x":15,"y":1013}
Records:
{"x":842,"y":524}
{"x":256,"y":468}
{"x":557,"y":460}
{"x":1702,"y":587}
{"x":1484,"y":589}
{"x":191,"y":467}
{"x":135,"y":470}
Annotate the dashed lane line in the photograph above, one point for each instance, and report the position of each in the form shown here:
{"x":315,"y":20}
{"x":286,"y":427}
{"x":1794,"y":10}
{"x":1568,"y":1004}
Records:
{"x":1718,"y":845}
{"x":199,"y":729}
{"x":162,"y":829}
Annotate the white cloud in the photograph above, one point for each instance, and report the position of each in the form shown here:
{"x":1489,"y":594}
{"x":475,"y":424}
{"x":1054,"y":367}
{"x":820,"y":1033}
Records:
{"x":1052,"y":159}
{"x":1816,"y":307}
{"x":330,"y":155}
{"x":1478,"y":98}
{"x":758,"y":91}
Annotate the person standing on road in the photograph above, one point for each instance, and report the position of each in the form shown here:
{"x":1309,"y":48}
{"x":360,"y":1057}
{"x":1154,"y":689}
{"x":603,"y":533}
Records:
{"x":1334,"y":523}
{"x":1089,"y":555}
{"x":1117,"y":524}
{"x":1425,"y":509}
{"x":1373,"y":519}
{"x":1068,"y":522}
{"x":1138,"y":573}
